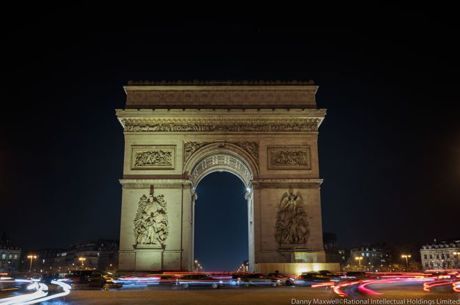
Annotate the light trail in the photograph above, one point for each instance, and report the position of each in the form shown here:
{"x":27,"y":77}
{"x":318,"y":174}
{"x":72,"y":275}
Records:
{"x":325,"y":284}
{"x":338,"y":289}
{"x":66,"y":290}
{"x":456,"y":286}
{"x":427,"y":286}
{"x":363,"y":285}
{"x":39,"y":295}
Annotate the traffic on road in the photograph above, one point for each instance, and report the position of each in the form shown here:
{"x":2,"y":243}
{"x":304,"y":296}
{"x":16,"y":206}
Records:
{"x":40,"y":288}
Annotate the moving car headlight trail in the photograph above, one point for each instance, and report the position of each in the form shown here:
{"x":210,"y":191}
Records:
{"x":363,"y":287}
{"x":40,"y":293}
{"x":456,"y":286}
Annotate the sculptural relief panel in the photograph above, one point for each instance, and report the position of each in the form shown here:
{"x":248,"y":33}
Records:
{"x":151,"y":222}
{"x":292,"y":227}
{"x":289,"y":157}
{"x":153,"y":157}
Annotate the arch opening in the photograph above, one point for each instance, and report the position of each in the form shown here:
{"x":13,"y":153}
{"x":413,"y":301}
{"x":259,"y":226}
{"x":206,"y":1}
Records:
{"x":207,"y":172}
{"x":221,"y":222}
{"x":222,"y":162}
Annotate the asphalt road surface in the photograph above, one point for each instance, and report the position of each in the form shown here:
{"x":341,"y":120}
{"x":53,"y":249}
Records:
{"x":253,"y":296}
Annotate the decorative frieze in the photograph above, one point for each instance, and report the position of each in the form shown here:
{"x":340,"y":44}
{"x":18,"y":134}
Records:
{"x":289,"y":157}
{"x":153,"y":157}
{"x":223,"y":126}
{"x":292,"y":227}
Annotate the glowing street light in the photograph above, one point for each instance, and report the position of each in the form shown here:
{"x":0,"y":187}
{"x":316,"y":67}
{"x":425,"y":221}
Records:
{"x":359,"y":259}
{"x":31,"y":257}
{"x":197,"y":266}
{"x":406,"y":256}
{"x":82,"y":260}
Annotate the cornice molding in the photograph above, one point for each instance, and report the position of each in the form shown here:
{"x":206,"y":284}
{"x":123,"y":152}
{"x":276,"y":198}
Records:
{"x":220,"y":82}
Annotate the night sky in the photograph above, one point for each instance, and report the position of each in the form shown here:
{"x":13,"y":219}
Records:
{"x":221,"y":222}
{"x":389,"y":77}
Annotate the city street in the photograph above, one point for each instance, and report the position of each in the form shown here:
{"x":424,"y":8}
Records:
{"x":393,"y":290}
{"x":281,"y":295}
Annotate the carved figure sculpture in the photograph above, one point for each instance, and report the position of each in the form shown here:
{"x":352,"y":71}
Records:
{"x":151,"y":221}
{"x":292,"y":224}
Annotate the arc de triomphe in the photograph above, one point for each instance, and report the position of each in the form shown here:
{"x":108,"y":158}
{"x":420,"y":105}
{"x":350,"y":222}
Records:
{"x":266,"y":133}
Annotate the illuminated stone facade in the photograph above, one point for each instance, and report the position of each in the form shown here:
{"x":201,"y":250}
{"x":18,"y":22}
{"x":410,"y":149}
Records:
{"x":441,"y":255}
{"x":177,"y":133}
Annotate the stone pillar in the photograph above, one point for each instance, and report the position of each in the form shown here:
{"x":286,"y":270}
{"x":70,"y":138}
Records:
{"x":275,"y":198}
{"x":249,"y":196}
{"x":175,"y":252}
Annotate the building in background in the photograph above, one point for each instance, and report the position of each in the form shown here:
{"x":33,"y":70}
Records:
{"x":46,"y":260}
{"x":101,"y":254}
{"x":10,"y":255}
{"x":441,"y":255}
{"x":369,"y":258}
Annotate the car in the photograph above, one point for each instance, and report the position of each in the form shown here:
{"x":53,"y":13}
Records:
{"x":285,"y":279}
{"x":333,"y":276}
{"x":203,"y":280}
{"x":308,"y":279}
{"x":255,"y":279}
{"x":81,"y":279}
{"x":165,"y":280}
{"x":136,"y":280}
{"x":355,"y":275}
{"x":7,"y":283}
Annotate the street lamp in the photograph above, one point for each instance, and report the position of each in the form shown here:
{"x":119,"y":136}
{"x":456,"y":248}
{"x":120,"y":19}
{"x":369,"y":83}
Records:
{"x":82,"y":260}
{"x":406,"y":256}
{"x":359,"y":259}
{"x":31,"y":257}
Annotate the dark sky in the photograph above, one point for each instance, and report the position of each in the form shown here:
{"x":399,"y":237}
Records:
{"x":221,"y":227}
{"x":388,"y":75}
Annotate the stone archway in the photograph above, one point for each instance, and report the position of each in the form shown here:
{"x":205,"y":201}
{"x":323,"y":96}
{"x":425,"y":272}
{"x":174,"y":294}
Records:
{"x":177,"y":133}
{"x":227,"y":161}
